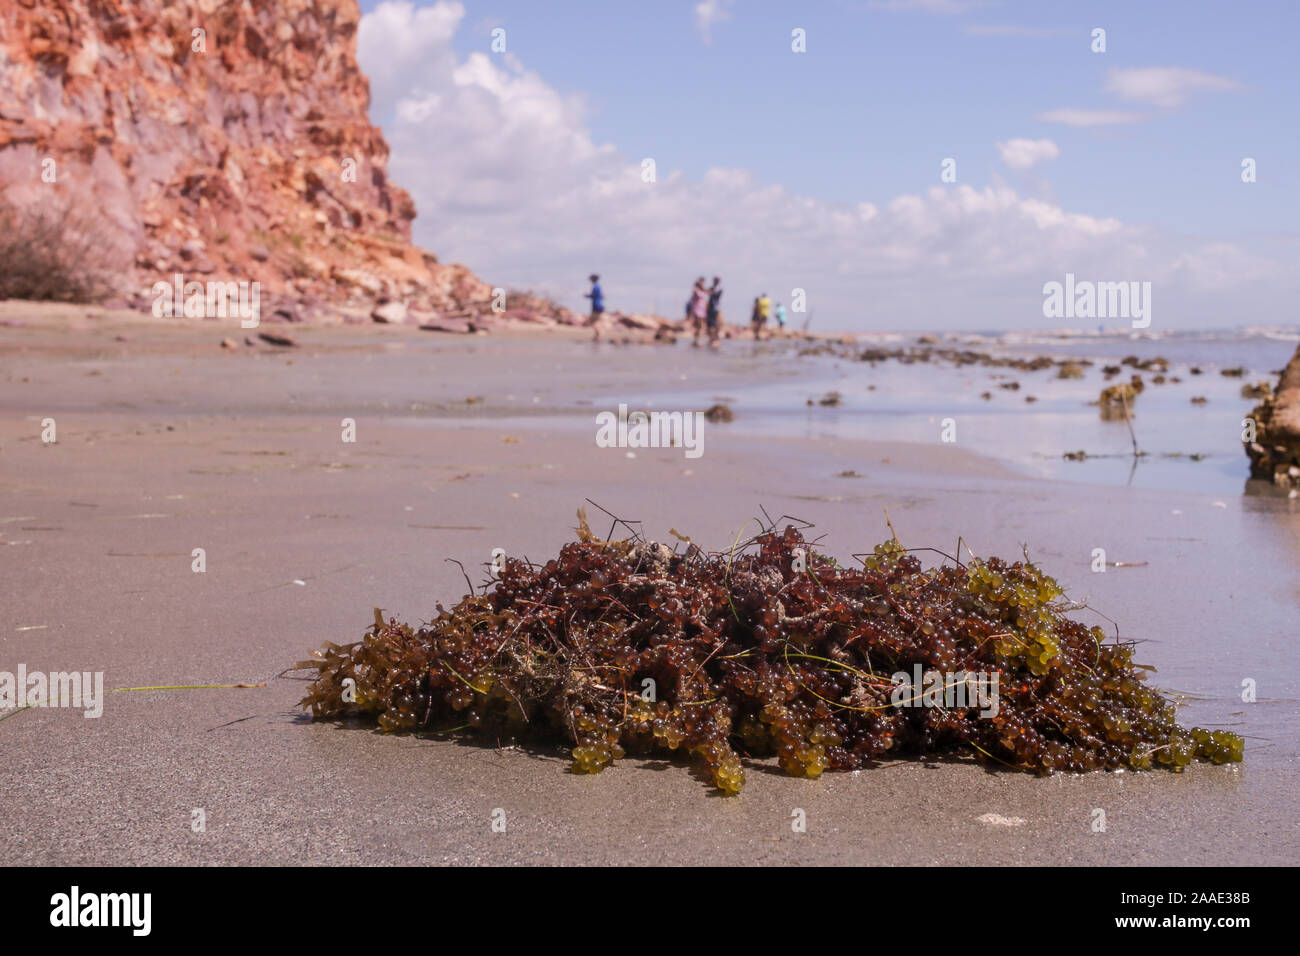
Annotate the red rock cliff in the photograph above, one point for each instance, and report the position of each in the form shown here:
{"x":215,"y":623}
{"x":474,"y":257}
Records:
{"x":227,"y":139}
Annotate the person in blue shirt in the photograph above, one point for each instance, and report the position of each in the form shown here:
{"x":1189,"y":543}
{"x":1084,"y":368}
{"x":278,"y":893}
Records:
{"x":597,"y":298}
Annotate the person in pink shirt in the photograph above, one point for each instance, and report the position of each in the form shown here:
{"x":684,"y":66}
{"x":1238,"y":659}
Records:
{"x":699,"y":307}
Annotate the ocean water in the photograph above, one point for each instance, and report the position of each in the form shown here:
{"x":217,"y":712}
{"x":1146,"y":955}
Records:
{"x":1188,"y":447}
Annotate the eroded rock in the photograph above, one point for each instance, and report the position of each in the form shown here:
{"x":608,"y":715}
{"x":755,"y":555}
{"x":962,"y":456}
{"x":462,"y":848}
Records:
{"x":1275,"y":453}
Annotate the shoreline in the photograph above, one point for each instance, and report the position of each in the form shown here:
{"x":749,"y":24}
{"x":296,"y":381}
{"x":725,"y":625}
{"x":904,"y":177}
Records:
{"x":158,"y":454}
{"x":1013,"y":410}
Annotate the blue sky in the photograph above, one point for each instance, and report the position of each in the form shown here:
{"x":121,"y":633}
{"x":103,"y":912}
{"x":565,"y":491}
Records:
{"x":884,"y":93}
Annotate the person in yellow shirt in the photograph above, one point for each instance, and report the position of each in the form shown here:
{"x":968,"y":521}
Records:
{"x":762,"y":311}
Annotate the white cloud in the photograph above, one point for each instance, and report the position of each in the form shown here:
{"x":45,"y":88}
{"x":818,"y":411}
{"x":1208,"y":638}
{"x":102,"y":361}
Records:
{"x":1076,"y":117}
{"x":390,"y":39}
{"x":1165,"y":86}
{"x":508,"y":179}
{"x":709,"y":13}
{"x":1024,"y":153}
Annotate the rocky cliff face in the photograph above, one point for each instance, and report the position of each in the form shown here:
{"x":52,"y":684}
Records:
{"x":223,"y":140}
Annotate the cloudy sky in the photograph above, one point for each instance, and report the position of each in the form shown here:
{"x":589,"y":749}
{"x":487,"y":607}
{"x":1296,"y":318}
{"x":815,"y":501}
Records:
{"x":824,"y":170}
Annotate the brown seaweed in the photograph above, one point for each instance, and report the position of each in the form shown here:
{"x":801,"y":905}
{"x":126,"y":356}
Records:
{"x":768,"y":649}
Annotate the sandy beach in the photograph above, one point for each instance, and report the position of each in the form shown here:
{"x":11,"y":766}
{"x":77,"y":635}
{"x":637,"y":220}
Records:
{"x":167,"y":443}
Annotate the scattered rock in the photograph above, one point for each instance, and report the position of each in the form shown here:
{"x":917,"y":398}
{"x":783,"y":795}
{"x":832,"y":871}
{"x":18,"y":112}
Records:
{"x":1116,"y":400}
{"x":1236,"y":371}
{"x":365,"y":281}
{"x":457,"y":326}
{"x":393,"y":313}
{"x":1157,"y":364}
{"x":229,"y":344}
{"x":286,"y":312}
{"x":647,"y":323}
{"x":719,"y":413}
{"x":277,"y":338}
{"x":1199,"y":399}
{"x":1070,"y":370}
{"x":1260,"y":390}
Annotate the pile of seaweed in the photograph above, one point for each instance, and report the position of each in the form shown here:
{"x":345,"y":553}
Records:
{"x":770,"y":648}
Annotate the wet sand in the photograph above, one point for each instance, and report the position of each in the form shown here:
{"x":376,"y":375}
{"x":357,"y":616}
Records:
{"x":166,"y":444}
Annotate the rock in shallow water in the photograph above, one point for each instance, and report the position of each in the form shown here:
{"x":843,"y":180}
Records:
{"x":1275,"y":452}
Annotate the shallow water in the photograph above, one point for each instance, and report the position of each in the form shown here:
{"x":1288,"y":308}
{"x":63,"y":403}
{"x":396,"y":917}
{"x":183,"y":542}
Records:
{"x":891,"y":400}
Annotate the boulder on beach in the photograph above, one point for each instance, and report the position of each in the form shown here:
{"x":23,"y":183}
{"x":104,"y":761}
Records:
{"x":389,"y":313}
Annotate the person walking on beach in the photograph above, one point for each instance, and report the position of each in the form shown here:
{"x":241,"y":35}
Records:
{"x":597,"y":298}
{"x":762,"y":309}
{"x":713,"y":314}
{"x":780,"y":316}
{"x":699,"y":308}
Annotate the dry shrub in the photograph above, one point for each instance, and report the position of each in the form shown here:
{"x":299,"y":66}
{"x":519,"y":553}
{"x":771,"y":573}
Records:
{"x":52,"y":252}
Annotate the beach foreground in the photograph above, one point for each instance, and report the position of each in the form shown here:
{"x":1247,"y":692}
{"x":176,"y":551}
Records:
{"x":165,"y":445}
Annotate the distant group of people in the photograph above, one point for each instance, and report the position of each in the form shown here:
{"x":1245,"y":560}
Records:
{"x":703,"y":311}
{"x":704,"y":315}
